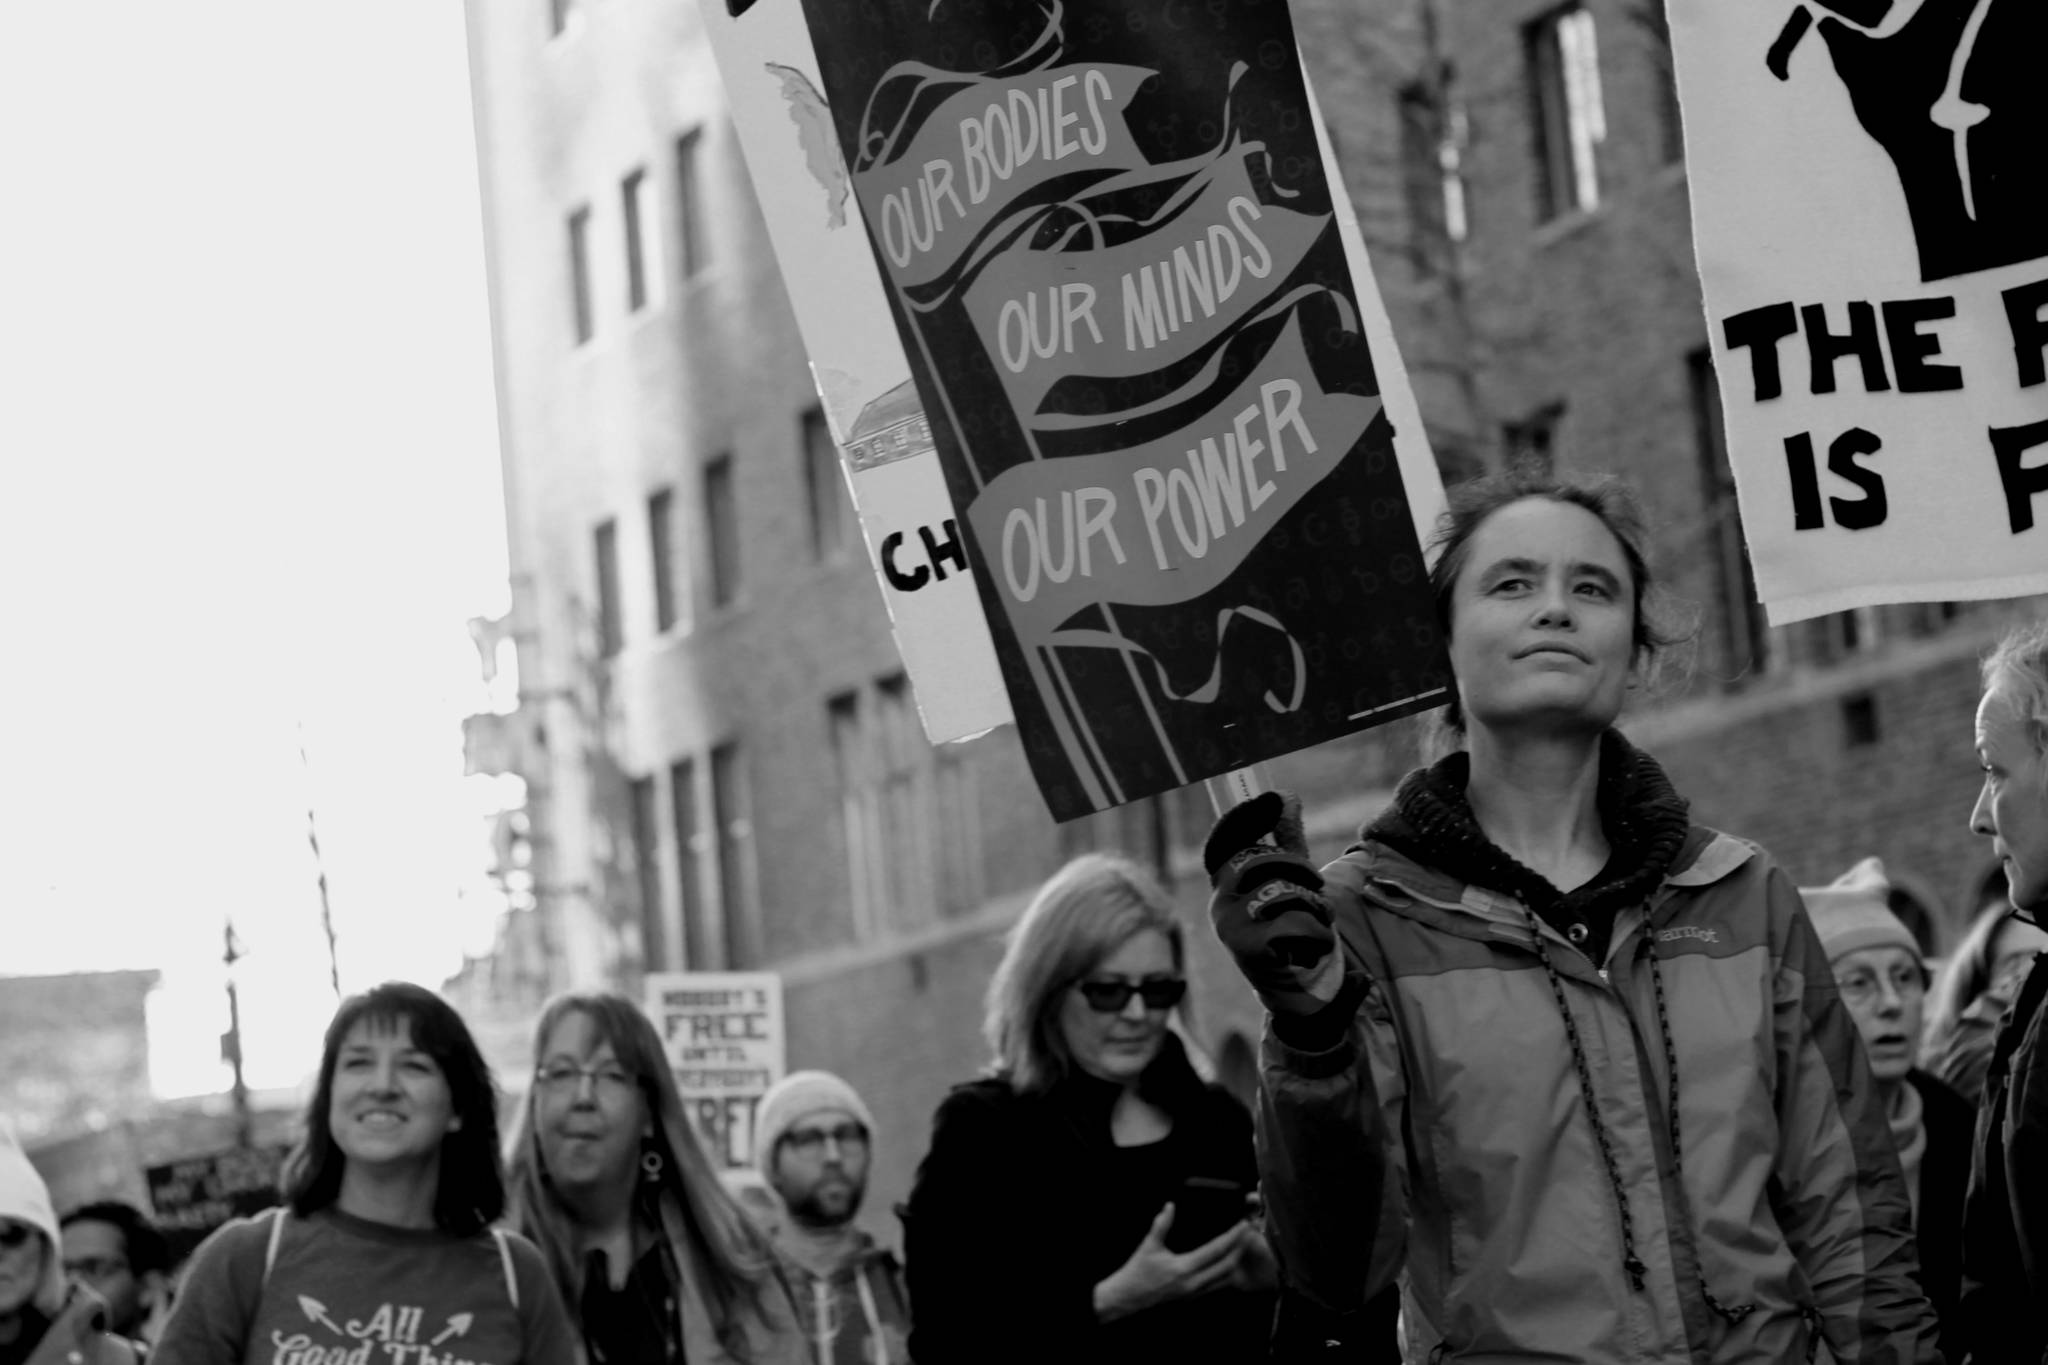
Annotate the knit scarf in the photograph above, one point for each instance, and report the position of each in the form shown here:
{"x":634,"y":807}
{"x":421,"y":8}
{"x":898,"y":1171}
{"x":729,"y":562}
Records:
{"x":1903,"y":1109}
{"x":1643,"y":817}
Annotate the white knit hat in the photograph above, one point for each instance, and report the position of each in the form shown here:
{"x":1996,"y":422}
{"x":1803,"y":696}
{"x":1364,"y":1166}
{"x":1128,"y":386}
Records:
{"x":1854,"y":911}
{"x":799,"y":1095}
{"x":26,"y":1199}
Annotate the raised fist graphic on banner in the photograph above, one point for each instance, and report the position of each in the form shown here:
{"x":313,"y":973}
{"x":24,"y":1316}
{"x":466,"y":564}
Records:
{"x":1951,"y":89}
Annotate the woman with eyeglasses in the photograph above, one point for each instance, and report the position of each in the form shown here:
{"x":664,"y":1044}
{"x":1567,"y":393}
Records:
{"x":1878,"y":969}
{"x":383,"y":1252}
{"x":659,"y":1264}
{"x":1088,"y":1200}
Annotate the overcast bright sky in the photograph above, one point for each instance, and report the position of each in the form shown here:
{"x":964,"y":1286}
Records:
{"x":248,"y":484}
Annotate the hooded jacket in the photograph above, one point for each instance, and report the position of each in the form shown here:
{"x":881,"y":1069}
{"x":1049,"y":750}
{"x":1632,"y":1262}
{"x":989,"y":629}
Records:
{"x":1447,"y":1129}
{"x":2005,"y":1217}
{"x":71,"y":1319}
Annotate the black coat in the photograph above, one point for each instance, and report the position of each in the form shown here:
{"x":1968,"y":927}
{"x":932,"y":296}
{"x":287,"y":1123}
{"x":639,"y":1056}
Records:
{"x":1021,"y":1207}
{"x":2005,"y":1221}
{"x":1944,"y":1180}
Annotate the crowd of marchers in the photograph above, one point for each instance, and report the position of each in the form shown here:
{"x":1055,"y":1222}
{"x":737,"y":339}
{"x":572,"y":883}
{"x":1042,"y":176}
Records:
{"x":1550,"y":1073}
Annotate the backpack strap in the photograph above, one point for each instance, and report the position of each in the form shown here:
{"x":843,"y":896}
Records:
{"x":276,"y":1240}
{"x":505,"y":1259}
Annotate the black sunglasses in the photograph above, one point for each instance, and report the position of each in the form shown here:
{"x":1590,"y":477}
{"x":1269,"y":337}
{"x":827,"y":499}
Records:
{"x":1112,"y":994}
{"x":12,"y":1235}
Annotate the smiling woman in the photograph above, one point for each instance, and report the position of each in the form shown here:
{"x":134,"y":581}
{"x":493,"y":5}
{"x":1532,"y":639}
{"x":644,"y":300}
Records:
{"x":385,"y":1234}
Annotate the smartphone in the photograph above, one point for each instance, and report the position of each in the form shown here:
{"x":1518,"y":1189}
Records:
{"x":1204,"y":1208}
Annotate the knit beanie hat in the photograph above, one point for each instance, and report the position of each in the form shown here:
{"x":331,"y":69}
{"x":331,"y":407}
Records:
{"x":1852,"y":912}
{"x":26,"y":1199}
{"x":797,"y":1096}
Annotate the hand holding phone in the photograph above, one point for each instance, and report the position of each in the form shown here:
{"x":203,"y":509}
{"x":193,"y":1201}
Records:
{"x":1204,"y":1208}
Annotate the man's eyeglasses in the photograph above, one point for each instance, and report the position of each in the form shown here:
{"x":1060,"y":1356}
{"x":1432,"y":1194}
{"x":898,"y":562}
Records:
{"x":14,"y":1235}
{"x":1112,"y":994}
{"x":1860,"y":987}
{"x":566,"y":1078}
{"x":95,"y":1267}
{"x":809,"y":1142}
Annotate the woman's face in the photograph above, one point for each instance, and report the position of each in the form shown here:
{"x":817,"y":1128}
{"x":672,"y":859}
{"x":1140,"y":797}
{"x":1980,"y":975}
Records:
{"x":2012,"y":808}
{"x":390,"y":1102}
{"x":1543,"y":619}
{"x":589,"y":1111}
{"x":1885,"y":989}
{"x":1118,"y":1045}
{"x":21,"y":1264}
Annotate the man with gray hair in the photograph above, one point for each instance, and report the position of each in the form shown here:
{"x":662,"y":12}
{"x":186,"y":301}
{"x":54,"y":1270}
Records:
{"x":813,"y":1139}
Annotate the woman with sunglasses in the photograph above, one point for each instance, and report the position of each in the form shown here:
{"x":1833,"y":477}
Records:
{"x":384,"y":1249}
{"x":44,"y":1320}
{"x":657,"y":1260}
{"x":1087,"y":1201}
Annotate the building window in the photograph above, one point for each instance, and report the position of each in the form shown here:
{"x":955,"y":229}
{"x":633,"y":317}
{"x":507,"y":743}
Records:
{"x":735,"y":836}
{"x":630,"y":198}
{"x":824,"y":487}
{"x":1566,"y":115}
{"x":722,"y":531}
{"x":689,"y":836}
{"x":1670,"y":128}
{"x":1432,"y":172}
{"x":1534,"y":439}
{"x":610,"y":632}
{"x":579,"y":274}
{"x":661,"y":543}
{"x":689,"y":204}
{"x":909,"y":811}
{"x":647,"y":873}
{"x":1744,"y":638}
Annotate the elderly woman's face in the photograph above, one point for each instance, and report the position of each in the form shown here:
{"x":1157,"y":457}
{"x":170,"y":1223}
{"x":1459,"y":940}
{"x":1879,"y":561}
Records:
{"x":1116,"y":1045}
{"x":1885,"y":988}
{"x":2012,"y":809}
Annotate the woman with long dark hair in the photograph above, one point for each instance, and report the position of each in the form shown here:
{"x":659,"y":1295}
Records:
{"x":661,"y":1264}
{"x":1575,"y":1064}
{"x":1087,"y":1200}
{"x":384,"y":1244}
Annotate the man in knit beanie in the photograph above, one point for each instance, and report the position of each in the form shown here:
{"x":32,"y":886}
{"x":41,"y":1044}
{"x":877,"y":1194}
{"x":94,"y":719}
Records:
{"x":813,"y":1140}
{"x":1883,"y":980}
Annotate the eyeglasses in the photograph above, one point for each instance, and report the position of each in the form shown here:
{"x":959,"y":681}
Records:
{"x":14,"y":1235}
{"x":1861,"y":987}
{"x":1111,"y":995}
{"x":848,"y":1137}
{"x":95,"y":1267}
{"x":565,"y":1077}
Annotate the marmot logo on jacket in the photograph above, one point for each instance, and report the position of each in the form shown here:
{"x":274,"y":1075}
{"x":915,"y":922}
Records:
{"x":1678,"y":931}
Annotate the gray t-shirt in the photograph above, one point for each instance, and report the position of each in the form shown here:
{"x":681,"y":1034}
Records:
{"x":343,"y":1291}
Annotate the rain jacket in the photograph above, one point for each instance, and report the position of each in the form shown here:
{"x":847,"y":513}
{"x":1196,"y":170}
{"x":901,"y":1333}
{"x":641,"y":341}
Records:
{"x":1446,"y":1130}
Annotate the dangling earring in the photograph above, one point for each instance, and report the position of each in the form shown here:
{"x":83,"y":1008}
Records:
{"x":650,"y":1165}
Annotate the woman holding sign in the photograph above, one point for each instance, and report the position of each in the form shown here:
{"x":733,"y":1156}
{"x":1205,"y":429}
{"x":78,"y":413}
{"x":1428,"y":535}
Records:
{"x":1575,"y":1063}
{"x":661,"y":1264}
{"x":1089,"y":1201}
{"x":384,"y":1250}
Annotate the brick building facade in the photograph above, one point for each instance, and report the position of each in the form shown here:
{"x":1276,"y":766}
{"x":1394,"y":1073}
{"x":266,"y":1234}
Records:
{"x":722,"y":767}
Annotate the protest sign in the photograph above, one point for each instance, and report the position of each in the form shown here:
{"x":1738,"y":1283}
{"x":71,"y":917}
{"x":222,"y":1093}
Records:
{"x":1161,"y":387}
{"x":191,"y":1197}
{"x":725,"y":1041}
{"x":863,"y":379}
{"x":1864,"y":181}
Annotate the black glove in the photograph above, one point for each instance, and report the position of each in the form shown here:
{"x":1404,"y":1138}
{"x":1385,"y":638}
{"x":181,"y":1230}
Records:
{"x":1268,"y":909}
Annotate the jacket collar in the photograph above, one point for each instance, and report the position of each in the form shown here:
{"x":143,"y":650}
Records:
{"x":1086,"y":1101}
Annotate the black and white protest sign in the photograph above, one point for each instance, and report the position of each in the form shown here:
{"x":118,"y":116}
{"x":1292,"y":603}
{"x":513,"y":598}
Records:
{"x":1867,"y":207}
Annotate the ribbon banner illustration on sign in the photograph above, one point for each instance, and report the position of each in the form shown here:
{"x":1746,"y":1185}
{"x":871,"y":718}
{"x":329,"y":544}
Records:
{"x":1866,"y":208}
{"x":1109,"y":242}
